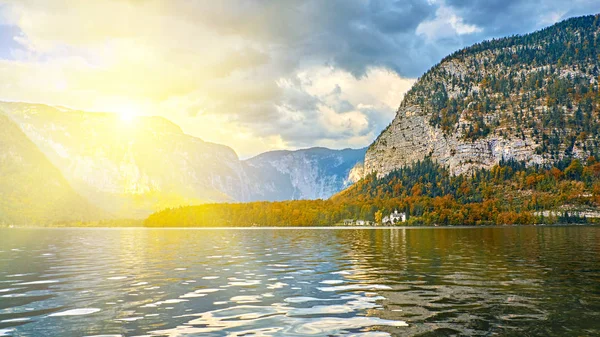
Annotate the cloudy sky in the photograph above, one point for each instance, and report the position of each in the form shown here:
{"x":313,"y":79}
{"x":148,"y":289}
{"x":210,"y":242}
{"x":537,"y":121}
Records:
{"x":254,"y":75}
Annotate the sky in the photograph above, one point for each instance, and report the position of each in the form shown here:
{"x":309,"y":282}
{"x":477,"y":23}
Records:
{"x":254,"y":75}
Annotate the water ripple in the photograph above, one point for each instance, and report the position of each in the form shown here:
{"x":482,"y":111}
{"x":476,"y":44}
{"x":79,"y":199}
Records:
{"x":278,"y":282}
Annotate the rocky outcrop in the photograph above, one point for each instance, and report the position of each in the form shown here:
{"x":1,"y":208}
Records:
{"x":355,"y":174}
{"x":410,"y":138}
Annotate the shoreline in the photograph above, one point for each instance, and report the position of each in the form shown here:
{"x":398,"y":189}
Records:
{"x":305,"y":227}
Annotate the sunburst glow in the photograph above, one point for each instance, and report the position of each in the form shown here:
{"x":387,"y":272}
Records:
{"x":127,"y":117}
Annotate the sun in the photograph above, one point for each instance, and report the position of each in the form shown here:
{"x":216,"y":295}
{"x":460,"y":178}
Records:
{"x":127,"y":117}
{"x":128,"y":114}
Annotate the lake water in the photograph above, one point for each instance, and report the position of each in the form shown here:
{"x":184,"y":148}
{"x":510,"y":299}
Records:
{"x":534,"y":281}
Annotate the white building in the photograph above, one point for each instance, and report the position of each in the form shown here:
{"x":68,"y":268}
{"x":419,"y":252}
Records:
{"x":394,"y":218}
{"x":352,"y":222}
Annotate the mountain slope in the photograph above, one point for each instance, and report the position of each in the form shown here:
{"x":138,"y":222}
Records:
{"x":315,"y":173}
{"x":32,"y":190}
{"x":531,"y":98}
{"x":130,"y":169}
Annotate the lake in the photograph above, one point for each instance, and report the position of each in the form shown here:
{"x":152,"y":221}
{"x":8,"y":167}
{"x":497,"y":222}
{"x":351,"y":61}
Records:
{"x":502,"y":281}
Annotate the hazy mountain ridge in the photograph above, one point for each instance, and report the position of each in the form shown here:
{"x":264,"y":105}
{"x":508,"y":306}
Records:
{"x":130,"y":170}
{"x":530,"y":98}
{"x":315,"y":173}
{"x":133,"y":169}
{"x":32,"y":190}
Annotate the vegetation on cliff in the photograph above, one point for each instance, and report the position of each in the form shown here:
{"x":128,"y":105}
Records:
{"x":542,"y":86}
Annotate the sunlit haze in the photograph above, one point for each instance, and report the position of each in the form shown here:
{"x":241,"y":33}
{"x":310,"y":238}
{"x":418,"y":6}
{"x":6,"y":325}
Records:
{"x":254,"y":76}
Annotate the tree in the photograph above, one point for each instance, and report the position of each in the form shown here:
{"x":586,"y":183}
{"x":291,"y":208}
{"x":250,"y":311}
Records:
{"x":378,"y":216}
{"x":574,"y":170}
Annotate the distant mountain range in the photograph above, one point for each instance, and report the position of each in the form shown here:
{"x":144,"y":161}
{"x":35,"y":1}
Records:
{"x":130,"y":171}
{"x":315,"y":173}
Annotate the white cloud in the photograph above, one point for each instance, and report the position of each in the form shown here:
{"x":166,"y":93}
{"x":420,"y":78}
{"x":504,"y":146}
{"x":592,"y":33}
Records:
{"x":446,"y":24}
{"x":222,"y":78}
{"x":315,"y":106}
{"x":551,"y":18}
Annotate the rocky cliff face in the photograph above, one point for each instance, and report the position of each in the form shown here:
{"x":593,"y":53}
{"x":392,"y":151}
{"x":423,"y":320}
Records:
{"x":315,"y":173}
{"x":410,"y":138}
{"x":131,"y":170}
{"x":531,"y":98}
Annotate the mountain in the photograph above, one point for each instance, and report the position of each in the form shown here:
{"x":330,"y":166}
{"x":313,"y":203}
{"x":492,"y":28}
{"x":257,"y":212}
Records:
{"x":32,"y":190}
{"x":131,"y":169}
{"x":315,"y":173}
{"x":531,"y":98}
{"x":519,"y":115}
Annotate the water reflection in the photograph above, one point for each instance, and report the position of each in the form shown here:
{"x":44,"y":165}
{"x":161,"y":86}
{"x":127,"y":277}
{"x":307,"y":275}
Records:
{"x":286,"y":282}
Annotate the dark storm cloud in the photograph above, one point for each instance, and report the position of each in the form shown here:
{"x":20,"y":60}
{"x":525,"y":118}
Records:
{"x":384,"y":33}
{"x":357,"y":34}
{"x":406,"y":37}
{"x":398,"y":16}
{"x":507,"y":17}
{"x":352,"y":34}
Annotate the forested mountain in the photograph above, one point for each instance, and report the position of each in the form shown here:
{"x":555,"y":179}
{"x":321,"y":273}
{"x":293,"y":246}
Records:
{"x":503,"y":132}
{"x":427,"y":192}
{"x":32,"y":190}
{"x":531,"y":98}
